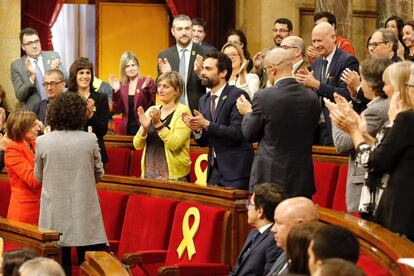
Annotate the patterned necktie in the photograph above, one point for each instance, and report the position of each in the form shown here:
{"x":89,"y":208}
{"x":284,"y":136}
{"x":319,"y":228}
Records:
{"x":324,"y":68}
{"x":183,"y":72}
{"x":39,"y":81}
{"x":213,"y":107}
{"x":255,"y":235}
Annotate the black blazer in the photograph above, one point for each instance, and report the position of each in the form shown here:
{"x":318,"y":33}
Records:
{"x":261,"y":256}
{"x":194,"y":88}
{"x":99,"y":121}
{"x":40,"y":109}
{"x":234,"y":155}
{"x":283,"y":121}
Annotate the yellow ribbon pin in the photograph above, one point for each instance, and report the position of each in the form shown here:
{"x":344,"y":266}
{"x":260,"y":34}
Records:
{"x":188,"y":234}
{"x":201,"y":176}
{"x":1,"y":246}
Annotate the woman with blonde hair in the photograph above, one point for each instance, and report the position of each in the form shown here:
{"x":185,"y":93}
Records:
{"x":239,"y":77}
{"x":390,"y":157}
{"x":163,"y":135}
{"x":131,"y":92}
{"x":19,"y":159}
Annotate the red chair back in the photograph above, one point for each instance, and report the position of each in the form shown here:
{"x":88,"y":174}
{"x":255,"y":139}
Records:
{"x":371,"y":267}
{"x":339,"y":202}
{"x":326,"y":175}
{"x":135,"y":164}
{"x":147,"y":224}
{"x":118,"y":163}
{"x":5,"y":194}
{"x":194,"y":155}
{"x":207,"y":240}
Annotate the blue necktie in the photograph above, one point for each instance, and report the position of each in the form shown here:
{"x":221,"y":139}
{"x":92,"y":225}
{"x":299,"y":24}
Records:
{"x":255,"y":235}
{"x":39,"y":81}
{"x":182,"y":70}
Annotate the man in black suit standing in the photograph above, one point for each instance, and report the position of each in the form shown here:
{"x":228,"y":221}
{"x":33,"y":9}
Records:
{"x":283,"y":119}
{"x":217,"y":125}
{"x":259,"y":250}
{"x":181,"y":58}
{"x":325,"y":78}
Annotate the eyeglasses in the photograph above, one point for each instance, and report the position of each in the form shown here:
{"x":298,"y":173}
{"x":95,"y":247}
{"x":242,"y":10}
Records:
{"x":288,"y":47}
{"x":52,"y":84}
{"x":376,"y":44}
{"x":409,"y":84}
{"x":248,"y":203}
{"x":31,"y":43}
{"x":280,"y":30}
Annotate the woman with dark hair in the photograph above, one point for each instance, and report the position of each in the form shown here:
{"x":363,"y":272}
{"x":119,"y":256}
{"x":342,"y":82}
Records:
{"x":69,"y":165}
{"x":298,"y":241}
{"x":408,"y":38}
{"x":81,"y":82}
{"x":13,"y":260}
{"x":396,"y":24}
{"x":238,"y":37}
{"x":19,"y":156}
{"x":131,"y":92}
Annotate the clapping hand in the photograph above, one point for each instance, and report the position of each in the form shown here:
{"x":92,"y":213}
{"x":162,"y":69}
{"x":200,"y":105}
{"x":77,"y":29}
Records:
{"x":114,"y":83}
{"x":146,"y":82}
{"x":164,"y":65}
{"x":90,"y":107}
{"x":311,"y":53}
{"x":144,"y":119}
{"x":352,"y":80}
{"x":198,"y":64}
{"x":155,"y":115}
{"x":55,"y":63}
{"x":30,"y":68}
{"x":243,"y":105}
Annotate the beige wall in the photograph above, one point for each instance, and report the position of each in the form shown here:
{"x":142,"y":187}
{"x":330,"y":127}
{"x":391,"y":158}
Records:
{"x":256,"y":19}
{"x":9,"y":43}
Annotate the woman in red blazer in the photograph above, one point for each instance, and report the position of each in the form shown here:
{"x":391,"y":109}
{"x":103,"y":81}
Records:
{"x":19,"y":159}
{"x":130,"y":93}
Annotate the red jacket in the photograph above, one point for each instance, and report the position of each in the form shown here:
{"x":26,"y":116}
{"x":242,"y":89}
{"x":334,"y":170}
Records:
{"x":25,"y":190}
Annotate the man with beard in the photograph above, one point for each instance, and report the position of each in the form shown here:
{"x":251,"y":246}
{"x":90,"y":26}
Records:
{"x":181,"y":58}
{"x":218,"y":126}
{"x":282,"y":28}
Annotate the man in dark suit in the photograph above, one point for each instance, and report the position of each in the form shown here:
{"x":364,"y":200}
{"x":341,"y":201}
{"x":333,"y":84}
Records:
{"x":181,"y":58}
{"x":288,"y":213}
{"x":27,"y":72}
{"x":283,"y":119}
{"x":218,"y":126}
{"x":54,"y":84}
{"x":259,"y":250}
{"x":325,"y":78}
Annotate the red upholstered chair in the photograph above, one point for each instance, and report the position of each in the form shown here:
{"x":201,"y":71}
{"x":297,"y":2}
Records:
{"x":135,"y":164}
{"x":209,"y":243}
{"x":339,"y":202}
{"x":326,"y":175}
{"x":118,"y":163}
{"x":117,"y":122}
{"x":4,"y":197}
{"x":147,"y":225}
{"x":194,"y":155}
{"x":371,"y":267}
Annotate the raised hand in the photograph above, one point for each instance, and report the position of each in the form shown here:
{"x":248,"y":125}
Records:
{"x":90,"y":107}
{"x":243,"y":67}
{"x":55,"y":63}
{"x":352,"y":80}
{"x":30,"y":68}
{"x":307,"y":79}
{"x":164,"y":65}
{"x":198,"y":64}
{"x":311,"y":53}
{"x":257,"y":62}
{"x":155,"y":115}
{"x":144,"y":120}
{"x":243,"y":105}
{"x":146,"y":82}
{"x":114,"y":83}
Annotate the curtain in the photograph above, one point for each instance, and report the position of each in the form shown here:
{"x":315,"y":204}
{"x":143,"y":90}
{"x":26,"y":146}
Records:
{"x":188,"y":7}
{"x":41,"y":15}
{"x":74,"y":33}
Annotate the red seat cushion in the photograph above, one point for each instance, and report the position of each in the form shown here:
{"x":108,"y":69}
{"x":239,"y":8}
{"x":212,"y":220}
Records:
{"x":118,"y":163}
{"x":194,"y":155}
{"x":117,"y":122}
{"x":135,"y":165}
{"x":339,"y":202}
{"x":147,"y":224}
{"x":326,"y":175}
{"x":5,"y":193}
{"x":371,"y":267}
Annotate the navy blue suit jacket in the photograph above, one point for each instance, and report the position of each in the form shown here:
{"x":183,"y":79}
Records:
{"x":234,"y":155}
{"x":260,"y":257}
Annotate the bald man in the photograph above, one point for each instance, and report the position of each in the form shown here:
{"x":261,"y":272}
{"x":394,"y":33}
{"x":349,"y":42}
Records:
{"x":325,"y":77}
{"x":296,"y":46}
{"x":285,"y":134}
{"x":289,"y":212}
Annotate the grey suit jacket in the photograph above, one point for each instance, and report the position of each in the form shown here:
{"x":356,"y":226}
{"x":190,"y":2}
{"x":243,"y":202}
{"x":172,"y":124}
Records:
{"x":194,"y":88}
{"x":278,"y":265}
{"x":25,"y":91}
{"x":376,"y":115}
{"x":68,"y":164}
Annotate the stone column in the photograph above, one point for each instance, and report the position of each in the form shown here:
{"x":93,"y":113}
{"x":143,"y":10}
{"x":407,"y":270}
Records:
{"x":342,"y":11}
{"x":401,"y":8}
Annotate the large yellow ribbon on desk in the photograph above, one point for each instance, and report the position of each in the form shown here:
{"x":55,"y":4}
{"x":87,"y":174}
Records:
{"x":201,"y":176}
{"x":188,"y":234}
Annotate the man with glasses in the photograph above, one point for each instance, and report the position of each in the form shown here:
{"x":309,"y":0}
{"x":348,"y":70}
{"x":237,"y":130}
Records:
{"x":27,"y":72}
{"x":283,"y":119}
{"x":259,"y":251}
{"x":54,"y":85}
{"x":282,"y":28}
{"x":384,"y":43}
{"x":296,"y":45}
